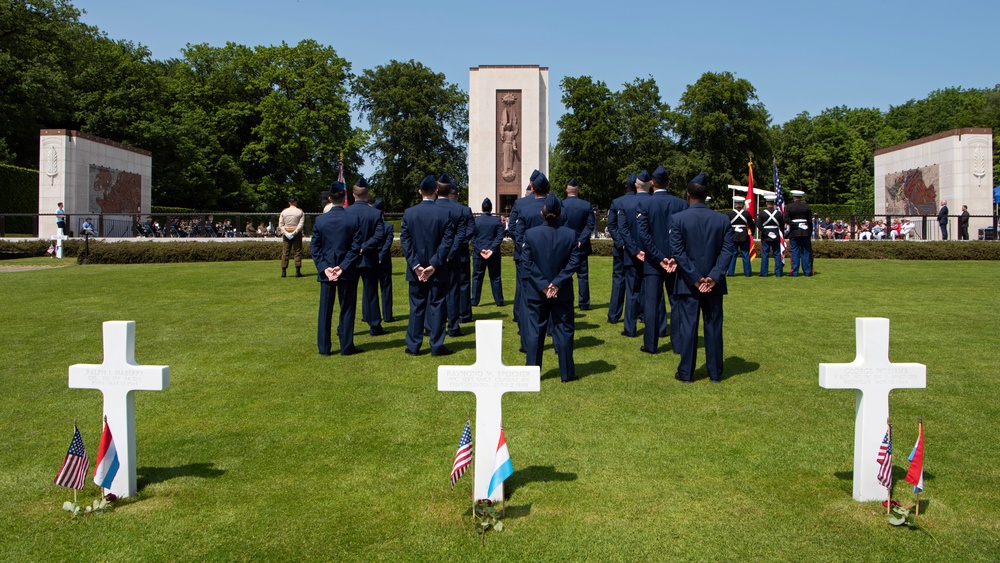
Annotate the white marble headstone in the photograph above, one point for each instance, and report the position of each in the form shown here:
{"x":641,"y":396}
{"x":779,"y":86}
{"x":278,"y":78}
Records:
{"x":118,"y":378}
{"x":873,"y":375}
{"x":489,"y":379}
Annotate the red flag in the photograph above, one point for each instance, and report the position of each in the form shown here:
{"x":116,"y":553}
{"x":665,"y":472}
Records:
{"x":752,"y":208}
{"x":915,"y":475}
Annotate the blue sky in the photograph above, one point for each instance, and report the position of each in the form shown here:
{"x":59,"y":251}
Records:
{"x":800,"y":56}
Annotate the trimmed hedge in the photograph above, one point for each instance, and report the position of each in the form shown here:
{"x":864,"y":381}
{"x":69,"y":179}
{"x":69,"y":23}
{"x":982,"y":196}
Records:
{"x":18,"y":194}
{"x":127,"y":252}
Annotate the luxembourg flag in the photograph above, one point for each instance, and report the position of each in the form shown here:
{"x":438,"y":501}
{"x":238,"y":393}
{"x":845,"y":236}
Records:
{"x":502,"y":467}
{"x":915,"y":475}
{"x":107,"y":459}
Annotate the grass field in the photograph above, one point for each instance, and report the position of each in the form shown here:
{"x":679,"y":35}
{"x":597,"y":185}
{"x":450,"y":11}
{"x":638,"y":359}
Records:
{"x":263,"y":450}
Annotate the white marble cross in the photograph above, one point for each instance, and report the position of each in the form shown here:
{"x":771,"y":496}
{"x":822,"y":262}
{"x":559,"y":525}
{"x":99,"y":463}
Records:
{"x":117,"y":378}
{"x":59,"y":238}
{"x":489,"y":379}
{"x":873,"y":375}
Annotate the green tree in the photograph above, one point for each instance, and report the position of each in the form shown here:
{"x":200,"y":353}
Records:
{"x":588,"y":139}
{"x":418,"y":124}
{"x":719,"y":124}
{"x":643,"y":117}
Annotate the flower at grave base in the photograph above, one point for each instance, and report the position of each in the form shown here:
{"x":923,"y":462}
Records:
{"x":111,"y":497}
{"x":485,"y":501}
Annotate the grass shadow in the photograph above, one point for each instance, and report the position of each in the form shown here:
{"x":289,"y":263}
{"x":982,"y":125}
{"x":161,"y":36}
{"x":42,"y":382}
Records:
{"x":593,"y":368}
{"x":487,"y":316}
{"x":534,"y":474}
{"x":586,"y":342}
{"x":584,"y":326}
{"x":735,"y":365}
{"x":152,"y":475}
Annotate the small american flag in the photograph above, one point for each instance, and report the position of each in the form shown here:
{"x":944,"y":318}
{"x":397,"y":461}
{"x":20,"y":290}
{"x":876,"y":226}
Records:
{"x":463,"y":457}
{"x":74,"y":467}
{"x":779,"y":204}
{"x":885,"y":459}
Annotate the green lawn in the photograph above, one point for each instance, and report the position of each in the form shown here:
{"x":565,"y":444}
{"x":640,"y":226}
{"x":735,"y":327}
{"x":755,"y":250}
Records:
{"x":261,"y":449}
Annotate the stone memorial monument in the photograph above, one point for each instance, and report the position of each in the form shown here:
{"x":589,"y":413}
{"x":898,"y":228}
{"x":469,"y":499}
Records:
{"x":95,"y":178}
{"x":489,"y":379}
{"x":508,"y":132}
{"x":873,"y":375}
{"x":118,"y":378}
{"x":956,"y":166}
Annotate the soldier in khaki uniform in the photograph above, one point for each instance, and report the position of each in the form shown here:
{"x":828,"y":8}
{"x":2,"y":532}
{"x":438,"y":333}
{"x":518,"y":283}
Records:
{"x":290,"y":226}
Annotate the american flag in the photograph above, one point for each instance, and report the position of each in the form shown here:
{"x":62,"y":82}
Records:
{"x":74,"y":467}
{"x":885,"y":459}
{"x":779,"y":204}
{"x":340,"y":178}
{"x":463,"y":457}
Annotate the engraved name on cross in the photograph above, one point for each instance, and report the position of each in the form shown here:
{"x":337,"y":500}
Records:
{"x":117,"y":378}
{"x":873,"y":375}
{"x":489,"y":379}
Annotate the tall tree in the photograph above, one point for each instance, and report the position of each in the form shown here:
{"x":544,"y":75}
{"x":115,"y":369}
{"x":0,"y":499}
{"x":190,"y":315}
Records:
{"x":643,"y":118}
{"x":588,"y":139}
{"x":719,"y":124}
{"x":418,"y":124}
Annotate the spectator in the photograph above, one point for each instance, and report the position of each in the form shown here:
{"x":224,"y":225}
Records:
{"x":251,"y":232}
{"x":963,"y":224}
{"x":839,"y":230}
{"x":896,"y":229}
{"x":88,"y":228}
{"x":864,"y":231}
{"x":825,"y":229}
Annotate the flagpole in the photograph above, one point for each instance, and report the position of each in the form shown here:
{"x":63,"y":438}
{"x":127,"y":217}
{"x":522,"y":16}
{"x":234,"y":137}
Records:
{"x":920,"y":422}
{"x":472,"y":472}
{"x":888,"y":489}
{"x":105,"y":421}
{"x":74,"y":433}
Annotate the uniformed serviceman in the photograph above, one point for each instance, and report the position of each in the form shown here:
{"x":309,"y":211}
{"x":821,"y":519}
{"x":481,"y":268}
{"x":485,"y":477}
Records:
{"x":529,"y":215}
{"x":451,"y":268}
{"x":550,"y":256}
{"x":771,"y":230}
{"x":513,"y":219}
{"x":653,"y":225}
{"x":634,"y":257}
{"x":427,"y":236}
{"x":486,"y":239}
{"x":373,"y":230}
{"x":578,"y":215}
{"x":798,"y":215}
{"x":336,"y":247}
{"x":742,"y":222}
{"x":463,"y":234}
{"x":290,"y":224}
{"x":617,"y":302}
{"x":385,"y":265}
{"x":702,"y":243}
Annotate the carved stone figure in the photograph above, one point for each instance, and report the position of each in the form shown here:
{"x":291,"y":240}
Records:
{"x":508,"y":136}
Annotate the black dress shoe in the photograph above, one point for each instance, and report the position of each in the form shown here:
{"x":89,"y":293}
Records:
{"x":377,"y":331}
{"x":457,"y":333}
{"x":715,"y":380}
{"x":351,"y":351}
{"x":571,"y":378}
{"x":324,"y":353}
{"x":643,"y":349}
{"x":625,"y":333}
{"x":410,"y":352}
{"x":584,"y":307}
{"x":466,"y":319}
{"x":443,"y":352}
{"x":390,"y":320}
{"x":522,"y":350}
{"x":677,"y":376}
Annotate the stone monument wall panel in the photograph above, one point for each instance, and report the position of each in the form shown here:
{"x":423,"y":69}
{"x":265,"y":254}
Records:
{"x":508,"y":140}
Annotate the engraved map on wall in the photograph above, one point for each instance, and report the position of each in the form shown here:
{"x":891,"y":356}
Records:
{"x":114,"y":191}
{"x":912,"y":192}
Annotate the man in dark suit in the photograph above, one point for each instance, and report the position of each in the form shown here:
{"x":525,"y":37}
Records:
{"x":702,"y":243}
{"x":634,"y":258}
{"x":963,"y":224}
{"x":427,"y":236}
{"x":385,"y":265}
{"x":463,"y":235}
{"x":617,"y":301}
{"x":550,"y":256}
{"x":942,"y":218}
{"x":486,"y":239}
{"x":452,"y":301}
{"x":373,"y":232}
{"x":653,"y":226}
{"x":578,"y":215}
{"x":335,"y":247}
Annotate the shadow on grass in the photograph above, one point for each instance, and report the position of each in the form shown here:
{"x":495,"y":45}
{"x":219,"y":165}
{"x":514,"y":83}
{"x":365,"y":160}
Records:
{"x":488,"y":316}
{"x":586,"y":342}
{"x":735,"y":365}
{"x":584,"y":326}
{"x":152,"y":475}
{"x":533,"y":474}
{"x":509,"y":512}
{"x":593,"y":368}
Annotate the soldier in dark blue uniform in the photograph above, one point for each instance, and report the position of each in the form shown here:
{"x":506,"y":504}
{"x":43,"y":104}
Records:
{"x":771,"y":229}
{"x":653,"y":226}
{"x":486,"y":239}
{"x":617,"y":301}
{"x":702,"y":243}
{"x":427,"y":236}
{"x":634,"y":258}
{"x":512,"y":220}
{"x":529,"y":215}
{"x":578,"y":215}
{"x":453,"y":266}
{"x":385,"y":266}
{"x":798,"y":215}
{"x":742,"y":222}
{"x":550,"y":256}
{"x":335,"y":247}
{"x":463,"y":233}
{"x":373,"y":231}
